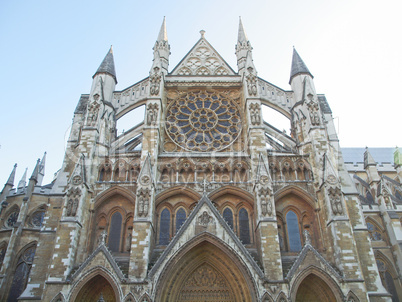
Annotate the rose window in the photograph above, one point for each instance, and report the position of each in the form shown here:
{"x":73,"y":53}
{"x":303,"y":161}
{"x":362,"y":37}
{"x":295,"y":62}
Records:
{"x":203,"y":121}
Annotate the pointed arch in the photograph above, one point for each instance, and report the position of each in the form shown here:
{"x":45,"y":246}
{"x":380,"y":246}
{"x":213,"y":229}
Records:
{"x":59,"y":298}
{"x":267,"y":298}
{"x":21,"y":271}
{"x":175,"y":191}
{"x":11,"y":216}
{"x":145,"y":298}
{"x":36,"y":216}
{"x":351,"y":297}
{"x":129,"y":298}
{"x":246,"y":196}
{"x":88,"y":285}
{"x":209,"y":254}
{"x":314,"y":281}
{"x":282,"y":297}
{"x":116,"y":190}
{"x":291,"y":189}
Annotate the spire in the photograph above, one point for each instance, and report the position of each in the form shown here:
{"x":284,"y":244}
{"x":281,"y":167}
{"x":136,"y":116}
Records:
{"x":10,"y":180}
{"x":242,"y":37}
{"x":244,"y":52}
{"x":35,"y":172}
{"x":22,"y":183}
{"x":41,"y":173}
{"x":163,"y":32}
{"x":298,"y":66}
{"x":161,"y":51}
{"x":107,"y":65}
{"x":368,"y":159}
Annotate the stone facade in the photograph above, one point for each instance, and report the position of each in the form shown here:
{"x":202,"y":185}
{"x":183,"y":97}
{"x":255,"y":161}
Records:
{"x":203,"y":200}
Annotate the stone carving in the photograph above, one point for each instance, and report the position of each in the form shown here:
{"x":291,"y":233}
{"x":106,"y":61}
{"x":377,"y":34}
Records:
{"x":203,"y":120}
{"x":266,"y":204}
{"x":155,"y":80}
{"x":204,"y":219}
{"x":206,"y":284}
{"x":152,"y":114}
{"x":93,"y":111}
{"x":314,"y":113}
{"x":307,"y":237}
{"x":102,"y":237}
{"x":335,"y":197}
{"x":73,"y":197}
{"x":137,"y":289}
{"x":251,"y":82}
{"x":144,"y":195}
{"x":128,"y":241}
{"x":255,"y":115}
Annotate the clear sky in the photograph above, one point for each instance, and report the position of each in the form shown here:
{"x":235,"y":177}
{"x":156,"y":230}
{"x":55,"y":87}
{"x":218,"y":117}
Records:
{"x":51,"y":49}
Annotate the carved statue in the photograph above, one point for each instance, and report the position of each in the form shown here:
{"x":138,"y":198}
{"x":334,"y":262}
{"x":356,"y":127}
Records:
{"x":251,"y":84}
{"x":255,"y":114}
{"x":75,"y":207}
{"x":128,"y":242}
{"x":69,"y":207}
{"x":93,"y":111}
{"x":314,"y":116}
{"x":155,"y":80}
{"x":336,"y":201}
{"x":152,"y":114}
{"x":307,"y":237}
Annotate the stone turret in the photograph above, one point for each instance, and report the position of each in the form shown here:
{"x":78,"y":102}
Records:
{"x":9,"y":184}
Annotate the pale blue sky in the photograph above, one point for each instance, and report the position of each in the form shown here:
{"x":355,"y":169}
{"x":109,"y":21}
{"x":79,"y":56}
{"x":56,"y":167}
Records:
{"x":51,"y":49}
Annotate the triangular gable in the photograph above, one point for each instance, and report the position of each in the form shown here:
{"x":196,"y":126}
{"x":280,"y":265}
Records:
{"x":103,"y":253}
{"x":204,"y":213}
{"x":330,"y":174}
{"x":202,"y":60}
{"x":308,"y":249}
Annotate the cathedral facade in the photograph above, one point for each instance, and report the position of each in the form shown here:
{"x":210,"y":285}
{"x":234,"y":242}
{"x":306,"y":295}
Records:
{"x":203,"y":200}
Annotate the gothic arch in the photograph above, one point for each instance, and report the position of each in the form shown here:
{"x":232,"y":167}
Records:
{"x":129,"y":298}
{"x":207,"y":255}
{"x":33,"y":219}
{"x":291,"y":189}
{"x":116,"y":190}
{"x":232,"y":190}
{"x":90,"y":286}
{"x":267,"y":298}
{"x":145,"y":298}
{"x":351,"y":297}
{"x":314,"y":282}
{"x":58,"y":298}
{"x":175,"y":191}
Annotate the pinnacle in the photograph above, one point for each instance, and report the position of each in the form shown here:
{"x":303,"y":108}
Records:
{"x":298,"y":66}
{"x":163,"y":32}
{"x":107,"y":65}
{"x":242,"y":37}
{"x":10,"y":180}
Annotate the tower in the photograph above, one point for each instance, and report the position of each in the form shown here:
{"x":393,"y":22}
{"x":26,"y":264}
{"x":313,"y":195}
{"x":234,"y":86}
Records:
{"x":204,"y":199}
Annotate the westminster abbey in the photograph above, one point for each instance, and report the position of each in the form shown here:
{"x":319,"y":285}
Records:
{"x":205,"y":200}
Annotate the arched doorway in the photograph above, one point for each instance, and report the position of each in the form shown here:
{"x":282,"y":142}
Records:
{"x":96,"y":288}
{"x":205,"y":271}
{"x":313,"y":288}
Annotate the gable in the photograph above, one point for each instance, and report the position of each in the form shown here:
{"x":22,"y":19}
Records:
{"x":202,"y":60}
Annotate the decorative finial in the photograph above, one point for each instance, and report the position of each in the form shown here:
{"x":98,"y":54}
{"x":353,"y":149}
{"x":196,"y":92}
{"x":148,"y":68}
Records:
{"x":202,"y":32}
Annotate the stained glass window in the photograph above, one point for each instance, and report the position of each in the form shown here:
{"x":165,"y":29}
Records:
{"x":115,"y":232}
{"x":3,"y":250}
{"x":387,"y":280}
{"x":21,"y":274}
{"x":203,"y":120}
{"x":293,"y":231}
{"x":244,"y":226}
{"x":228,"y":216}
{"x":37,"y":219}
{"x":12,"y":219}
{"x":164,"y":234}
{"x":374,"y":233}
{"x":180,"y":218}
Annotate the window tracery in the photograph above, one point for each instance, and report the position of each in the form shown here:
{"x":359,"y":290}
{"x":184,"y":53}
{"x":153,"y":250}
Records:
{"x":203,"y":121}
{"x":115,"y":232}
{"x":374,"y":232}
{"x":37,"y":218}
{"x":228,"y":216}
{"x":12,"y":218}
{"x":21,"y":273}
